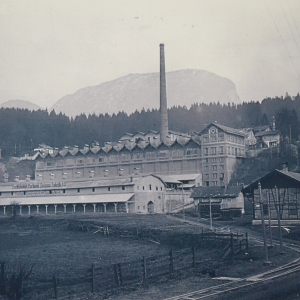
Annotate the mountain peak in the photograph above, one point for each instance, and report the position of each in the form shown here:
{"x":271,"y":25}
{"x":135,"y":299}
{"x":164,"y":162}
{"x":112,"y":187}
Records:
{"x":137,"y":91}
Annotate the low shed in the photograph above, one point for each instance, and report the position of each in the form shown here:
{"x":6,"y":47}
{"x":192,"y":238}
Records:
{"x":227,"y":201}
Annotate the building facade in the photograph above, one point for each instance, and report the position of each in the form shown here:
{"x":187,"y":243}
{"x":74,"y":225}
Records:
{"x":221,"y":147}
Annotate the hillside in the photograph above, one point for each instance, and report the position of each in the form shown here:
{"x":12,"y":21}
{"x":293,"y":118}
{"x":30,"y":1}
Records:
{"x":137,"y":91}
{"x":22,"y":104}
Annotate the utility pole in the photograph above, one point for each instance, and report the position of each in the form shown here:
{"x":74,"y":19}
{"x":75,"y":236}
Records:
{"x":266,"y":262}
{"x":183,"y":201}
{"x":277,"y":205}
{"x":269,"y":213}
{"x":210,"y":216}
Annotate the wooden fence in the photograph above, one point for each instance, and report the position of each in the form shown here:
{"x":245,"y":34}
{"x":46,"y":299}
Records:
{"x":98,"y":278}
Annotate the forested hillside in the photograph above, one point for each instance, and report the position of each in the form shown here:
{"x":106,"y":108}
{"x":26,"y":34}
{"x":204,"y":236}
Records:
{"x":22,"y":130}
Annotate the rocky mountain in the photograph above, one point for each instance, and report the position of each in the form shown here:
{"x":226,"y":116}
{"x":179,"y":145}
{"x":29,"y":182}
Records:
{"x":20,"y":104}
{"x":137,"y":91}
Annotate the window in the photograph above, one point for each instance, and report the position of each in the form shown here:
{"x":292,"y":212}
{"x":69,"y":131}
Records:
{"x":91,"y":160}
{"x":144,"y":207}
{"x":60,"y":163}
{"x":50,"y":163}
{"x":221,"y":167}
{"x":177,"y":153}
{"x":78,"y":174}
{"x":113,"y":158}
{"x":206,"y":168}
{"x":101,"y":159}
{"x":143,"y":188}
{"x":222,"y":159}
{"x":213,"y":160}
{"x":123,"y":187}
{"x":215,"y":175}
{"x":205,"y":139}
{"x":221,"y":137}
{"x":150,"y":155}
{"x":205,"y":151}
{"x":64,"y":191}
{"x":157,"y":188}
{"x":206,"y":176}
{"x":161,"y":188}
{"x":206,"y":160}
{"x":214,"y":167}
{"x":221,"y":148}
{"x":150,"y":187}
{"x":125,"y":157}
{"x":70,"y":162}
{"x":228,"y":150}
{"x":213,"y":150}
{"x":78,"y":190}
{"x":80,"y":161}
{"x":163,"y":154}
{"x":91,"y":174}
{"x":191,"y":152}
{"x":213,"y":137}
{"x":137,"y":155}
{"x":93,"y":190}
{"x":109,"y":188}
{"x":206,"y":183}
{"x":51,"y":176}
{"x":138,"y":208}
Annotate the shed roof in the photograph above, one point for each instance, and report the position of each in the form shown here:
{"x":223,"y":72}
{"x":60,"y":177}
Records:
{"x":216,"y":192}
{"x":278,"y":178}
{"x":40,"y":200}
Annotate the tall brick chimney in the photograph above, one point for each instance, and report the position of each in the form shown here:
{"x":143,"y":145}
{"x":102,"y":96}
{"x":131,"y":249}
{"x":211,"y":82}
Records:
{"x":164,"y":128}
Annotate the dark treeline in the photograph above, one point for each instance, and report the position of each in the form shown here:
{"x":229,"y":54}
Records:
{"x":22,"y":130}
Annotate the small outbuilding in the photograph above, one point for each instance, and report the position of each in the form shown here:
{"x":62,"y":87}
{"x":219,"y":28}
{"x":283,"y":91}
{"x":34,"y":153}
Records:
{"x":226,"y":201}
{"x":279,"y":199}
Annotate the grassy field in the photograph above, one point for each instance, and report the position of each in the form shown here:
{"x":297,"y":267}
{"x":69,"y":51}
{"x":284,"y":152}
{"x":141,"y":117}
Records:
{"x":66,"y":245}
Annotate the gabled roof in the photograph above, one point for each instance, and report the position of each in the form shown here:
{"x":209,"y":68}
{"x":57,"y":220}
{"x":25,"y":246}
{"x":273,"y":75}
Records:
{"x":216,"y":192}
{"x":266,"y":133}
{"x":226,"y":129}
{"x":192,"y":142}
{"x":280,"y":179}
{"x":163,"y":145}
{"x":176,"y":143}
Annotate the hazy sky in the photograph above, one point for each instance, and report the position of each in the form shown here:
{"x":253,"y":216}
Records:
{"x":49,"y":49}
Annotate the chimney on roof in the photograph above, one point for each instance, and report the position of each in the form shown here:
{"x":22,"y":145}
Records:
{"x":285,"y":167}
{"x":164,"y":128}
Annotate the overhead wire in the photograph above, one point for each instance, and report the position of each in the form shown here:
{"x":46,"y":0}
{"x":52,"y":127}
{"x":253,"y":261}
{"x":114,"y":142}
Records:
{"x":289,"y":25}
{"x":287,"y":50}
{"x":294,"y":19}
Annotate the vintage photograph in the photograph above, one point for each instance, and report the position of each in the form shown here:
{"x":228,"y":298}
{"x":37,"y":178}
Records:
{"x":149,"y":149}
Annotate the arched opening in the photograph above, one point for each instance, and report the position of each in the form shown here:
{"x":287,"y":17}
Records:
{"x":150,"y":207}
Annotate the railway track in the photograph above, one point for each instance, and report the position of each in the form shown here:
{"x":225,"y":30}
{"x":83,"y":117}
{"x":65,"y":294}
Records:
{"x":236,"y":284}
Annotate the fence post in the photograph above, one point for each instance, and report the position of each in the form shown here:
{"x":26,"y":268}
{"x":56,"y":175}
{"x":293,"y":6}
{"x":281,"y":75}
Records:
{"x":232,"y":244}
{"x":171,"y":265}
{"x":118,"y":274}
{"x":2,"y":279}
{"x":247,"y":241}
{"x":144,"y":269}
{"x":93,"y":278}
{"x":193,"y":253}
{"x":55,"y":287}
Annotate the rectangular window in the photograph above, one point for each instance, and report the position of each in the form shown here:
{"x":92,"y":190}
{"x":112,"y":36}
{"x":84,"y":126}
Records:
{"x":221,"y":167}
{"x":205,"y":151}
{"x":221,"y":149}
{"x":123,"y":188}
{"x":221,"y":137}
{"x":206,"y":176}
{"x":109,"y":188}
{"x":80,"y":161}
{"x":206,"y":168}
{"x":215,"y":175}
{"x":205,"y":139}
{"x":214,"y":167}
{"x":213,"y":160}
{"x":213,"y":137}
{"x":50,"y":163}
{"x":163,"y":154}
{"x":206,"y":160}
{"x":191,"y":152}
{"x":213,"y":150}
{"x":150,"y":187}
